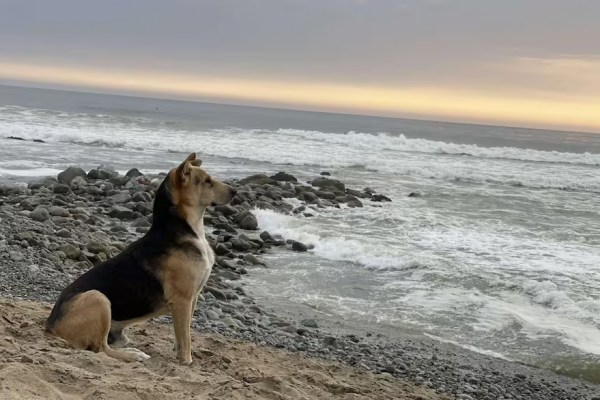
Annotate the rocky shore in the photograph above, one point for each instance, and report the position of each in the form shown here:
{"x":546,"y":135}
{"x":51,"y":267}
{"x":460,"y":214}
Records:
{"x":54,"y":229}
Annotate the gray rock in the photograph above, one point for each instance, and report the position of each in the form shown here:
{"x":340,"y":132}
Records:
{"x":212,"y":316}
{"x":133,"y":173}
{"x":141,"y":196}
{"x":249,"y":222}
{"x":240,"y":245}
{"x":222,"y":250}
{"x":310,"y":323}
{"x":64,"y":233}
{"x":259,"y":179}
{"x":267,"y":237}
{"x":226,"y":210}
{"x":70,"y":251}
{"x":309,"y":197}
{"x":328,"y":182}
{"x":121,"y":198}
{"x":98,"y":247}
{"x":218,"y":294}
{"x":40,"y":214}
{"x":252,"y":259}
{"x":284,"y":177}
{"x":380,"y":197}
{"x":325,"y":195}
{"x":71,"y":173}
{"x":229,"y":275}
{"x":120,"y":212}
{"x":58,"y":212}
{"x":141,"y":222}
{"x":60,"y":188}
{"x":16,"y":256}
{"x":299,"y":247}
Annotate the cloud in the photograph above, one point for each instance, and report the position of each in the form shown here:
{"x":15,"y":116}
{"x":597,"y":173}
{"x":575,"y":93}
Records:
{"x":377,"y":100}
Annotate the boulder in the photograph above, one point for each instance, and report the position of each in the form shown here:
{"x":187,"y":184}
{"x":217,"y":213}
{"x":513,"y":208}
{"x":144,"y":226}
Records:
{"x":267,"y":237}
{"x":246,"y":220}
{"x":284,"y":177}
{"x":328,"y":182}
{"x":299,"y":247}
{"x":71,"y":173}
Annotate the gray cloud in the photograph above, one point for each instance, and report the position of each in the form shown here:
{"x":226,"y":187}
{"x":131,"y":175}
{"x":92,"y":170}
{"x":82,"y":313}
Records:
{"x":366,"y":42}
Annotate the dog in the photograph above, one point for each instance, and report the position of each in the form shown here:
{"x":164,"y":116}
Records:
{"x":161,"y":273}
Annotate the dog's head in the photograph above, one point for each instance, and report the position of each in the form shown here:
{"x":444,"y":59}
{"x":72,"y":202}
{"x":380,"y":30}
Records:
{"x":192,"y":187}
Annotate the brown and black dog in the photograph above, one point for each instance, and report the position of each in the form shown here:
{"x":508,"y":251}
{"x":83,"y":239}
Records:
{"x":161,"y":273}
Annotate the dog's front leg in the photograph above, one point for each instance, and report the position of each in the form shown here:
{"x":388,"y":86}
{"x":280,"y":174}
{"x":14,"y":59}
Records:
{"x":181,"y":313}
{"x":194,"y":303}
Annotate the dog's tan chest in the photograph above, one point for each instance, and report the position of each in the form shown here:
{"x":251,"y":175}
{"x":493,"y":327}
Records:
{"x":206,"y":264}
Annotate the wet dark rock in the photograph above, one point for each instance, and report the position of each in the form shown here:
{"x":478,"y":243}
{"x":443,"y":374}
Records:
{"x":299,"y":247}
{"x":325,"y":173}
{"x":414,"y":194}
{"x":133,"y":173}
{"x":325,"y":195}
{"x":284,"y":177}
{"x":266,"y":237}
{"x":240,"y":245}
{"x":15,"y":138}
{"x":380,"y":197}
{"x":328,"y":182}
{"x":248,"y":221}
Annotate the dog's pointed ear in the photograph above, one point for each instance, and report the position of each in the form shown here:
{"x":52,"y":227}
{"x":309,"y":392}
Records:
{"x":197,"y":162}
{"x":183,"y":171}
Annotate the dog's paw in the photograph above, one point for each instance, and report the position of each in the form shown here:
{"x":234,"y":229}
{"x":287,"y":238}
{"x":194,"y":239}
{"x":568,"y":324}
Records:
{"x":138,"y":354}
{"x":185,"y":360}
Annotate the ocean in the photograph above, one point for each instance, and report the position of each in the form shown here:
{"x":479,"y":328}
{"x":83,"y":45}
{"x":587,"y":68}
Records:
{"x":499,"y":252}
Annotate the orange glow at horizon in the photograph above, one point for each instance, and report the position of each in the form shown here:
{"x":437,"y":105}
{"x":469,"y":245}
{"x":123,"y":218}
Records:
{"x":568,"y":110}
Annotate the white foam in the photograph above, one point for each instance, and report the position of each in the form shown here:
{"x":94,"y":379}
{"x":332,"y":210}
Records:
{"x":385,"y":141}
{"x":389,"y":154}
{"x":489,"y":353}
{"x":334,"y":248}
{"x":30,"y":172}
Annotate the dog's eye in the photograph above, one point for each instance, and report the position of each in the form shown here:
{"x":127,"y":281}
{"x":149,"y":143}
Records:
{"x":209,"y":182}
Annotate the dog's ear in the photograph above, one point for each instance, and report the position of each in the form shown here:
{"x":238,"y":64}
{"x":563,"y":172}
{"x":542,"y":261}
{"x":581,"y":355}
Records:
{"x":183,"y":171}
{"x":197,"y":162}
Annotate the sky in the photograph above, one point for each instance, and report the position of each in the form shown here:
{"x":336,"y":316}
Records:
{"x":529,"y":63}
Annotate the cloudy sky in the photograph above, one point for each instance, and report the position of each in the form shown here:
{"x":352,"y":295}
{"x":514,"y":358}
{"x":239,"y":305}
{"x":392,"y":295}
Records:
{"x":517,"y":62}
